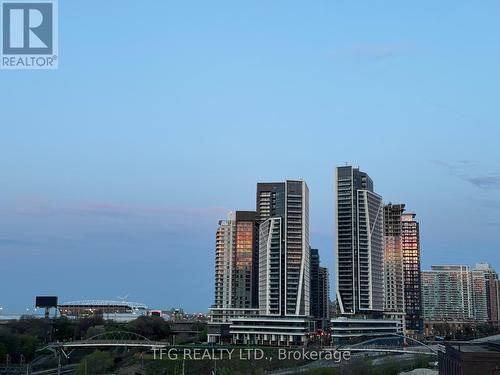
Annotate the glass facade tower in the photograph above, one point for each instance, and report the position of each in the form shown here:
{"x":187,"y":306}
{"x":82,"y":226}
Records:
{"x":236,"y":261}
{"x":447,"y":293}
{"x":410,"y":235}
{"x":393,"y":258}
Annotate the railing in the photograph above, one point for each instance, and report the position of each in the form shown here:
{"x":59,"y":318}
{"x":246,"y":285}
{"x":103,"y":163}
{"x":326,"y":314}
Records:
{"x":364,"y":346}
{"x":87,"y":343}
{"x":26,"y":369}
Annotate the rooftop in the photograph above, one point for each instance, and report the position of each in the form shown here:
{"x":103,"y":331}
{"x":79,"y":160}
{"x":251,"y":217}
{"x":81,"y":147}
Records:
{"x":133,"y":305}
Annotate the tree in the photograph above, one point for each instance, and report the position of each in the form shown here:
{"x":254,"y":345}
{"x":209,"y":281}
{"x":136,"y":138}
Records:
{"x":485,"y":329}
{"x":151,"y":327}
{"x":28,"y":346}
{"x":203,"y":335}
{"x":84,"y":325}
{"x":10,"y":343}
{"x":64,"y":329}
{"x":444,"y":329}
{"x":468,"y":331}
{"x":39,"y":328}
{"x":94,"y":331}
{"x":95,"y":363}
{"x":201,"y":328}
{"x":3,"y":352}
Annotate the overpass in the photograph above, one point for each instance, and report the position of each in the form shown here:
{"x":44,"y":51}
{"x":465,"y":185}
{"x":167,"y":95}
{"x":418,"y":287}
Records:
{"x":103,"y":340}
{"x":378,"y":345}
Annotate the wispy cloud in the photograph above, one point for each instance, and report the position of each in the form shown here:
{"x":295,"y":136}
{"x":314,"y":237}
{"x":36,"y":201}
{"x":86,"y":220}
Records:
{"x":469,"y":163}
{"x":491,"y":182}
{"x":104,"y":209}
{"x":52,"y":226}
{"x":11,"y":242}
{"x":456,"y":165}
{"x":38,"y":208}
{"x":491,"y":204}
{"x":493,"y":224}
{"x":461,"y":170}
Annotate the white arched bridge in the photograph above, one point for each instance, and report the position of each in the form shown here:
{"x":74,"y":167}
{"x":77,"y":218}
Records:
{"x":106,"y":339}
{"x":389,"y":343}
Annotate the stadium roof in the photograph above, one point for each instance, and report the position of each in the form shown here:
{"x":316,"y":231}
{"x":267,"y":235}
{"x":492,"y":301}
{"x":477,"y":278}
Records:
{"x":133,"y":305}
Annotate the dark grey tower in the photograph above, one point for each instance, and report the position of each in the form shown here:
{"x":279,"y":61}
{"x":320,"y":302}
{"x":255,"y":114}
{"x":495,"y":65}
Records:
{"x":283,"y":217}
{"x":320,"y":291}
{"x":360,"y":250}
{"x":314,"y":262}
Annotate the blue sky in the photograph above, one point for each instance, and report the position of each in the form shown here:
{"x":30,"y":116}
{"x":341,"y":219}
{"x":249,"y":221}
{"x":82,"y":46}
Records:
{"x":115,"y":169}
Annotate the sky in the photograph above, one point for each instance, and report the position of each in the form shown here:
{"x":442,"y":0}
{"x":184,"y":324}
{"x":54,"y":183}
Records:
{"x":163,"y":116}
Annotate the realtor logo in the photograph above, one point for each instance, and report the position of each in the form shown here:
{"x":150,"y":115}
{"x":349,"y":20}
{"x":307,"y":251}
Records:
{"x":29,"y":34}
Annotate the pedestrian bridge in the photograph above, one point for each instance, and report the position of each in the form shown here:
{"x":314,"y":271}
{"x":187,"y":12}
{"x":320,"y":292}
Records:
{"x":107,"y":339}
{"x":390,"y":343}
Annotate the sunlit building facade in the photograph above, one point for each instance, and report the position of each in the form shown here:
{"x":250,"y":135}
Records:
{"x":393,"y":258}
{"x":236,"y":273}
{"x":236,"y":261}
{"x":410,"y":237}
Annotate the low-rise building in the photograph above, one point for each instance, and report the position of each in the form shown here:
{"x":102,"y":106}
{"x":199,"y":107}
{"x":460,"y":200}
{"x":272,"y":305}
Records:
{"x":273,"y":331}
{"x":220,"y":320}
{"x":469,"y":358}
{"x":347,"y":329}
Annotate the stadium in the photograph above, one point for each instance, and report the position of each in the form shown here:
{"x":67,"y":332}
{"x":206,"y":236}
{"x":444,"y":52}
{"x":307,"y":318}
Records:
{"x":119,"y":311}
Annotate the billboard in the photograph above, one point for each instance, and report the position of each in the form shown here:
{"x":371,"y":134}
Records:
{"x":46,"y":301}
